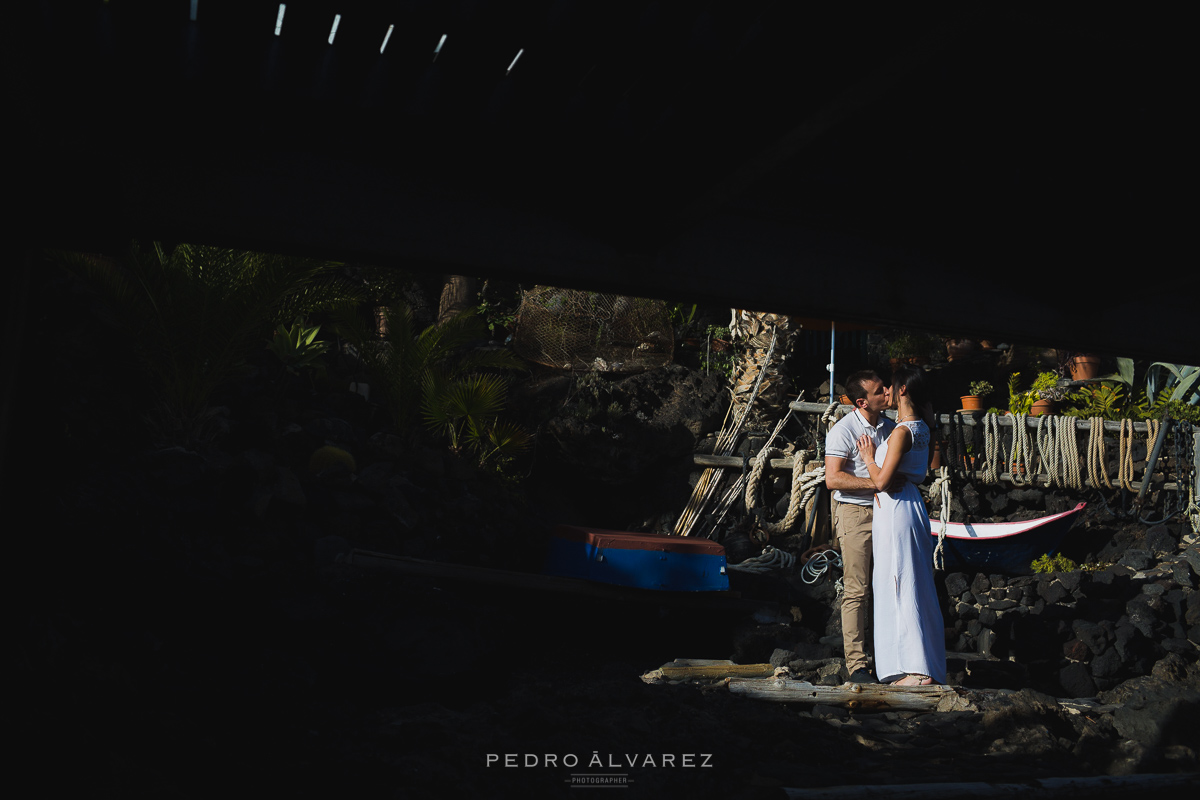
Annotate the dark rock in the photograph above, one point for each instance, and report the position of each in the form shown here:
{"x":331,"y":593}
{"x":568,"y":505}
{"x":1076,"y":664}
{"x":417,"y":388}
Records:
{"x":1177,"y":645}
{"x":1160,"y":541}
{"x":1076,"y":680}
{"x":1031,"y":718}
{"x":1154,"y":589}
{"x":829,"y":712}
{"x":974,"y":628}
{"x":1141,"y":615}
{"x":1192,"y":554}
{"x":997,"y":581}
{"x":995,"y":675}
{"x":981,"y":585}
{"x":1107,"y":664}
{"x":1002,"y":605}
{"x":967,"y":597}
{"x":985,"y":641}
{"x":1076,"y":650}
{"x":1092,"y":635}
{"x":966,"y":611}
{"x":328,"y":548}
{"x":1052,"y":591}
{"x":782,"y":657}
{"x":1182,"y":574}
{"x":987,"y":617}
{"x":956,"y":584}
{"x":1171,"y":667}
{"x":1137,"y":559}
{"x":1070,"y":580}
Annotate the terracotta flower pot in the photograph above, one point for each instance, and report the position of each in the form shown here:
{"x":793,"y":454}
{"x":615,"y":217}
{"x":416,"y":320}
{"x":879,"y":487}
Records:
{"x":1084,"y":367}
{"x":1041,"y":407}
{"x":971,"y":402}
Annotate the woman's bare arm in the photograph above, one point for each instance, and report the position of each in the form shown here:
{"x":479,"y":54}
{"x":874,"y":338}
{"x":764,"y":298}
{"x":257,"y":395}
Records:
{"x":899,"y":443}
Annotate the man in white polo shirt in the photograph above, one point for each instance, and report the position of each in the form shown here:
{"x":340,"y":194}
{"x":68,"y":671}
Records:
{"x":853,"y":503}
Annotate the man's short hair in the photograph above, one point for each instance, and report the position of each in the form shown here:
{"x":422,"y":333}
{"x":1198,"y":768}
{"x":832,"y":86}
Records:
{"x":856,"y":388}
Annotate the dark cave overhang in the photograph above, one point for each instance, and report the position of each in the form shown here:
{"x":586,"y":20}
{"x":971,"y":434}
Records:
{"x":992,"y":169}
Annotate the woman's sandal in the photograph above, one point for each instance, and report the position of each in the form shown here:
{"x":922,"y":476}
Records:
{"x":914,"y":680}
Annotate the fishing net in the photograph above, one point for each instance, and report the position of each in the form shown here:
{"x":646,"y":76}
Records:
{"x":576,"y":330}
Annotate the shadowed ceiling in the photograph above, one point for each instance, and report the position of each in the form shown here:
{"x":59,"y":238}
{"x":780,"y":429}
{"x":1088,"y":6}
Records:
{"x":979,"y":170}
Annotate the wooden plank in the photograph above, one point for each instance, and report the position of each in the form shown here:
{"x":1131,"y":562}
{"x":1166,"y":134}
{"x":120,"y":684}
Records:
{"x":855,"y":696}
{"x":691,"y":670}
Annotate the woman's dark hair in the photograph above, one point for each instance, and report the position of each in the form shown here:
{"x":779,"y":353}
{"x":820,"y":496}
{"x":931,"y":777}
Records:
{"x":913,"y":381}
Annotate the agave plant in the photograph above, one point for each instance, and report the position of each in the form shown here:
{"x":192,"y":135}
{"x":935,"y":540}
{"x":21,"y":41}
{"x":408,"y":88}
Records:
{"x":297,"y":347}
{"x":1182,"y":380}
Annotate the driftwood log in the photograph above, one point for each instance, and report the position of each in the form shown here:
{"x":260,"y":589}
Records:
{"x":854,"y":696}
{"x":699,"y":669}
{"x":1104,"y":787}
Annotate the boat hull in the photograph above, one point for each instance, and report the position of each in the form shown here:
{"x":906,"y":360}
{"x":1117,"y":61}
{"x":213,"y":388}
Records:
{"x":1004,"y":548}
{"x":641,"y":560}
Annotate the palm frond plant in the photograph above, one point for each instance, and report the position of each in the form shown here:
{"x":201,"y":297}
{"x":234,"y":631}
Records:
{"x":436,"y":376}
{"x":196,"y":312}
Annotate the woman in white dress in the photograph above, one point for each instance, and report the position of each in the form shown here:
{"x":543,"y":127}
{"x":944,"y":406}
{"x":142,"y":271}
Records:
{"x":910,"y":644}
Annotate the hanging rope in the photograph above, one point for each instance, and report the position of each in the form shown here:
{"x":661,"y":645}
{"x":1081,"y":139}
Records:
{"x":1047,"y":450}
{"x":1068,"y":451}
{"x":771,"y":558}
{"x":992,"y":449}
{"x":1097,"y":458}
{"x":941,"y":484}
{"x":1022,"y":452}
{"x":804,"y":486}
{"x":1125,"y":456}
{"x":819,"y":564}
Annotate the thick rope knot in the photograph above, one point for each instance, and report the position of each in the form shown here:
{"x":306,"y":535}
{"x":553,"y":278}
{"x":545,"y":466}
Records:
{"x":804,"y":486}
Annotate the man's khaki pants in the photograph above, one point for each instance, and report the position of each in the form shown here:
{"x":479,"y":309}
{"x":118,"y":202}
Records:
{"x":852,"y":533}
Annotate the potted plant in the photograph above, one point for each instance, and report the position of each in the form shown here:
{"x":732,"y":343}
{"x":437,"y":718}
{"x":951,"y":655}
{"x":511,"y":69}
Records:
{"x":1084,"y":366}
{"x":911,"y":348}
{"x":974,"y":400}
{"x":1038,"y":399}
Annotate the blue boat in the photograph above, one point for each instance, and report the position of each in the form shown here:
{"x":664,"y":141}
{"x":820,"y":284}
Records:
{"x":1003,"y":547}
{"x":641,"y":560}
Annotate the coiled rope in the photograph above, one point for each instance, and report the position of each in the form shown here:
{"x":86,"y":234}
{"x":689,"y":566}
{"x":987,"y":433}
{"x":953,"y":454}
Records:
{"x":771,"y":558}
{"x":1097,"y":458}
{"x":804,"y":486}
{"x":819,"y":564}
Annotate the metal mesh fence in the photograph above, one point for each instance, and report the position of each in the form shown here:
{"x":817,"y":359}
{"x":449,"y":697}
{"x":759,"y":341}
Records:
{"x":577,"y":330}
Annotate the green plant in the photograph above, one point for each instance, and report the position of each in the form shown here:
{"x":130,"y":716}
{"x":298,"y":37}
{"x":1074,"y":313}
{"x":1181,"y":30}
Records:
{"x":909,"y":344}
{"x":1057,"y":563}
{"x":297,"y":346}
{"x":467,"y":409}
{"x":498,"y":313}
{"x":1182,"y":380}
{"x":433,"y":373}
{"x":981,"y":388}
{"x":194,"y":314}
{"x":1044,"y":387}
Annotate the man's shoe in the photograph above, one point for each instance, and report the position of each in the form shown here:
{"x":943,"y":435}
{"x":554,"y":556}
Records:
{"x":862,"y":676}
